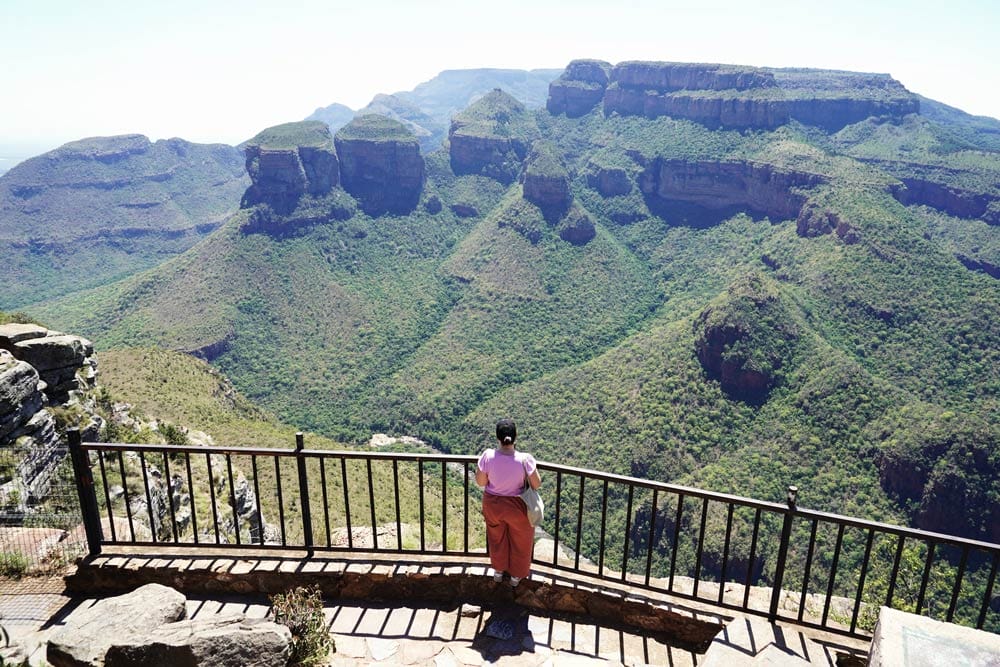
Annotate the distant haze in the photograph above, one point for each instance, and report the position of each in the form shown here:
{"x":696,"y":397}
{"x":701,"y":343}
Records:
{"x":221,"y":72}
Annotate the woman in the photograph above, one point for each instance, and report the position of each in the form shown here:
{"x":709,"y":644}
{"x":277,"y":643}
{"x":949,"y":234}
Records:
{"x":509,"y":534}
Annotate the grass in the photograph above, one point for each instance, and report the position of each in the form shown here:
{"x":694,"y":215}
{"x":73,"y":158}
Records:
{"x":13,"y":564}
{"x":290,"y":136}
{"x":375,"y":127}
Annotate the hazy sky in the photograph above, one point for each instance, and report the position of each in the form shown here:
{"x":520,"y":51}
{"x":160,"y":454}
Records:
{"x":211,"y":71}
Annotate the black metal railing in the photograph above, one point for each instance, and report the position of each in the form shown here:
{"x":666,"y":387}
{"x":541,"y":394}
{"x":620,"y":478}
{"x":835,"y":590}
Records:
{"x":812,"y":568}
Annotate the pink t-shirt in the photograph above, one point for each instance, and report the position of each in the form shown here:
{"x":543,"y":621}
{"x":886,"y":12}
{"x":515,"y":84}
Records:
{"x":506,"y":473}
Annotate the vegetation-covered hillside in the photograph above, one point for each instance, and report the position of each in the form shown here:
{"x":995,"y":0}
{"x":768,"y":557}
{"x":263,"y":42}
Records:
{"x":98,"y":209}
{"x":750,"y":307}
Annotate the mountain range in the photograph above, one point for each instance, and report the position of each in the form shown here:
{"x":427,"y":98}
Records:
{"x":731,"y":277}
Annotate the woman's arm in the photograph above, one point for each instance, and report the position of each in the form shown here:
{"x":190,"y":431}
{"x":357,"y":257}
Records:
{"x":481,"y":477}
{"x":534,"y":480}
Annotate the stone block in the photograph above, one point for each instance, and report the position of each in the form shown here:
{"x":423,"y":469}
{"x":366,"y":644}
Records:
{"x":908,"y":640}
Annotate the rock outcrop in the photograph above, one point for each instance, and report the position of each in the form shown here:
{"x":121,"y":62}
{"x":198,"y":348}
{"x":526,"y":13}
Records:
{"x":491,"y":137}
{"x":762,"y":188}
{"x":714,"y":95}
{"x":814,"y":220}
{"x":546,"y":181}
{"x":546,"y":186}
{"x":729,"y":96}
{"x":429,"y":131}
{"x":940,"y":463}
{"x":231,"y":640}
{"x":949,"y":199}
{"x":833,"y":99}
{"x":609,"y":180}
{"x":288,"y":161}
{"x":149,"y":626}
{"x":380,"y":164}
{"x":38,"y":369}
{"x":579,"y":89}
{"x":744,"y":339}
{"x":125,"y":618}
{"x":576,"y":227}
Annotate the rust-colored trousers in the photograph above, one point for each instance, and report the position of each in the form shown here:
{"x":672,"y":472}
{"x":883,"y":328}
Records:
{"x":511,"y":538}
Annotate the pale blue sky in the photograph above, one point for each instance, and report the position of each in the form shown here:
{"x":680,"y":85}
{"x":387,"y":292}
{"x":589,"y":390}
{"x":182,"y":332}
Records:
{"x":221,"y":71}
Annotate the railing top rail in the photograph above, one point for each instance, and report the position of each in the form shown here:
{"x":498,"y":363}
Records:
{"x":780,"y":508}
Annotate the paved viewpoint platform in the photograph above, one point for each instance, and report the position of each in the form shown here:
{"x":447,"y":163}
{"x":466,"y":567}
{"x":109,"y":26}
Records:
{"x":908,"y":640}
{"x":494,"y":629}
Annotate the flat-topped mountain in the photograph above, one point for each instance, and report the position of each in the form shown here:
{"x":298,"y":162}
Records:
{"x":734,"y":277}
{"x":729,"y":95}
{"x":98,"y":209}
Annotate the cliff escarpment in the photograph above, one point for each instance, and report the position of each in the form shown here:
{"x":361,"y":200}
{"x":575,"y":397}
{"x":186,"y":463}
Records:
{"x":303,"y":176}
{"x":579,"y":89}
{"x":950,"y":199}
{"x":729,"y":96}
{"x":40,"y":371}
{"x":288,"y":161}
{"x":716,"y":185}
{"x":380,"y":164}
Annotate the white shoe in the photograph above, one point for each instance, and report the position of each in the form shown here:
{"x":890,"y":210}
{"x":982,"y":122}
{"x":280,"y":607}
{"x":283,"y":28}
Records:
{"x":514,"y":581}
{"x":498,"y":577}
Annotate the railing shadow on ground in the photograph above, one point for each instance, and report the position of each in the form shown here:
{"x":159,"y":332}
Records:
{"x":814,"y":569}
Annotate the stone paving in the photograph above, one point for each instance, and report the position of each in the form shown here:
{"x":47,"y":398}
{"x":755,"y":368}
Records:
{"x":380,"y":634}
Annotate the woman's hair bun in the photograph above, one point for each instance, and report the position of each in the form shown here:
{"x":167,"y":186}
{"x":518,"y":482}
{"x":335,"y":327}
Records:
{"x":506,"y":431}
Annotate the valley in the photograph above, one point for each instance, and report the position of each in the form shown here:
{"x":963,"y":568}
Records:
{"x":728,"y":277}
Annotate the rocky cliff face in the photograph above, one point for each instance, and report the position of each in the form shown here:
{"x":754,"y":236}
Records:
{"x":546,"y":182}
{"x":380,"y":164}
{"x":949,"y":199}
{"x":762,"y":188}
{"x":579,"y":89}
{"x":714,"y":95}
{"x":288,"y":161}
{"x":39,"y":369}
{"x":491,"y":137}
{"x":728,"y":95}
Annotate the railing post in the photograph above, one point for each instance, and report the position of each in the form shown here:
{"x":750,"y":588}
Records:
{"x":307,"y":529}
{"x":779,"y":568}
{"x":85,"y":488}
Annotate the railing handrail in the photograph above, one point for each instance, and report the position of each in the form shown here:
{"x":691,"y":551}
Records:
{"x":765,"y":542}
{"x":687,"y":491}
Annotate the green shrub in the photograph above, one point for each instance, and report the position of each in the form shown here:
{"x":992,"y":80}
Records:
{"x":13,"y":564}
{"x":301,"y":611}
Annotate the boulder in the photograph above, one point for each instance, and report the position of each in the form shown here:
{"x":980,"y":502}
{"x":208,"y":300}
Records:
{"x":88,"y":635}
{"x":64,"y":363}
{"x":15,"y":333}
{"x":380,"y":164}
{"x":223,"y":641}
{"x":57,"y":352}
{"x":20,"y":393}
